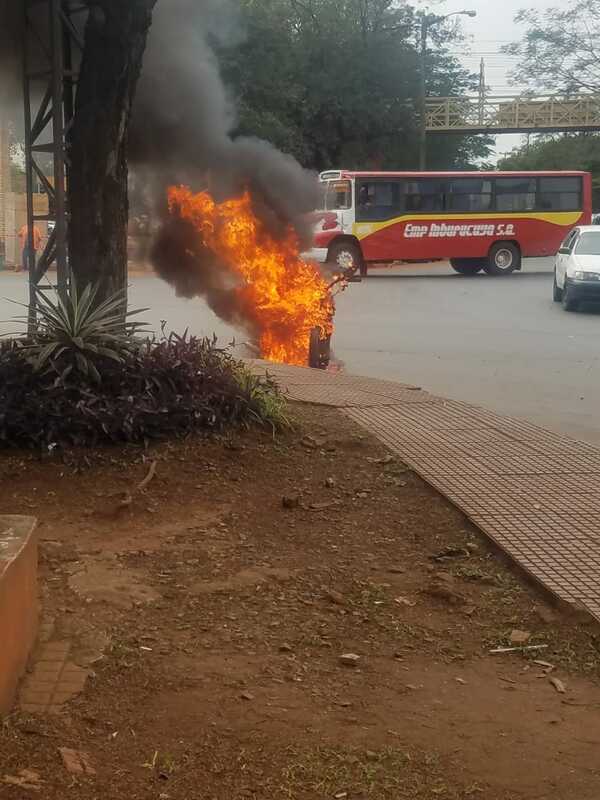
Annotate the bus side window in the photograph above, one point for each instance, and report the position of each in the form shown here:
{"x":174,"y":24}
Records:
{"x":515,"y":194}
{"x":378,"y":200}
{"x":560,"y":193}
{"x":424,"y":196}
{"x":364,"y":199}
{"x":469,"y":195}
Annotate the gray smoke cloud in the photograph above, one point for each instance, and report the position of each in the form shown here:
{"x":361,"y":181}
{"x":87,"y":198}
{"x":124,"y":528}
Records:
{"x":184,"y":115}
{"x":182,"y":134}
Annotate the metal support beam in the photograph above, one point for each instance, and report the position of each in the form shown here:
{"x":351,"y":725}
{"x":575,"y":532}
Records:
{"x":49,"y":80}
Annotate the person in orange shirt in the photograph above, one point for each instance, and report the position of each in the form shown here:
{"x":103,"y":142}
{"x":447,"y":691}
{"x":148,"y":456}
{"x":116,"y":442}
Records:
{"x":24,"y":243}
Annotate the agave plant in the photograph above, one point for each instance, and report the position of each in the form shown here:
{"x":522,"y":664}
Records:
{"x":75,"y":332}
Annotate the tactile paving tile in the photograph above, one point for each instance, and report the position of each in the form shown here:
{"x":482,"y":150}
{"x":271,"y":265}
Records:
{"x":538,"y":438}
{"x":539,"y":501}
{"x":440,"y":417}
{"x":491,"y":504}
{"x":338,"y":396}
{"x":346,"y":396}
{"x":290,"y":379}
{"x":339,"y":390}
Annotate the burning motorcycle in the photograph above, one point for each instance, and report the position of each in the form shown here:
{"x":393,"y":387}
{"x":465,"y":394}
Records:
{"x":319,"y":351}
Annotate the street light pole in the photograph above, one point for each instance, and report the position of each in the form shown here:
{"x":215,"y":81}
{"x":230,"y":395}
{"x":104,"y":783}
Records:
{"x":427,"y":21}
{"x":423,"y":92}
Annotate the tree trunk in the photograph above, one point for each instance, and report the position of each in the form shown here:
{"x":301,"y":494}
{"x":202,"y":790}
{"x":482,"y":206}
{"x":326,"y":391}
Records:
{"x":115,"y":40}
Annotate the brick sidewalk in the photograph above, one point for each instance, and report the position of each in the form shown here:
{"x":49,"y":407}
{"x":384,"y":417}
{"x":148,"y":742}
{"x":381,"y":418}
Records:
{"x":533,"y":492}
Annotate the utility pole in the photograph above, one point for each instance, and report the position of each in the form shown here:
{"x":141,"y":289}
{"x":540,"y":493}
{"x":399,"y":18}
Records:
{"x":423,"y":91}
{"x":427,"y":22}
{"x":482,"y":90}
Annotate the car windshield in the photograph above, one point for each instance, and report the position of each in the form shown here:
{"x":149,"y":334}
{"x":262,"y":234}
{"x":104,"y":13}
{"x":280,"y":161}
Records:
{"x":588,"y":244}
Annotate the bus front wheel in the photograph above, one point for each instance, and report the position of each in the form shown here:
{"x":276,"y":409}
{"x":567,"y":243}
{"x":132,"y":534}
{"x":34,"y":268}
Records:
{"x":466,"y":266}
{"x":347,"y":256}
{"x":504,"y":258}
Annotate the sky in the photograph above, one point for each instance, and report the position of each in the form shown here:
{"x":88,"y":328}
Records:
{"x":486,"y":34}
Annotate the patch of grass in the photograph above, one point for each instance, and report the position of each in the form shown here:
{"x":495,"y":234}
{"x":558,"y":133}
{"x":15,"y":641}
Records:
{"x":352,"y":774}
{"x":269,"y":405}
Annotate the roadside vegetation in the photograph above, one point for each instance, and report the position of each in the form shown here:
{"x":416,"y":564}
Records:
{"x":86,"y":376}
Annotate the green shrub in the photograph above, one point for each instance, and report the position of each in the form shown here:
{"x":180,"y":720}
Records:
{"x":72,"y":333}
{"x":84,"y":379}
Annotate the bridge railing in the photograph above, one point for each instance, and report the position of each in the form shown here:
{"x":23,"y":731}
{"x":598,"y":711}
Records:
{"x":513,"y":114}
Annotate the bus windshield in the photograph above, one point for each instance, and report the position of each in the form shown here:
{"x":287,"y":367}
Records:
{"x":336,"y":196}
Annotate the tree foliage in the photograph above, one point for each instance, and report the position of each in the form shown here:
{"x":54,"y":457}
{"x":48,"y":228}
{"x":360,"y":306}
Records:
{"x":571,"y":151}
{"x":561,"y":50}
{"x":336,"y":82}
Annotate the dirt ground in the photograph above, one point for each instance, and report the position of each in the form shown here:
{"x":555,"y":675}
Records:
{"x":292,"y":618}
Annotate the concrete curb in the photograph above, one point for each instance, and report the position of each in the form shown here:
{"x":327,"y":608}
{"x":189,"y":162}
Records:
{"x":18,"y":601}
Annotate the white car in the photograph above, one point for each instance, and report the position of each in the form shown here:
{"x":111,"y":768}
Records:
{"x":577,"y":268}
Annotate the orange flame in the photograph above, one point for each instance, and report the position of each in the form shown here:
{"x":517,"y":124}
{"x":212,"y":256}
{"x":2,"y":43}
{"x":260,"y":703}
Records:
{"x":284,"y":296}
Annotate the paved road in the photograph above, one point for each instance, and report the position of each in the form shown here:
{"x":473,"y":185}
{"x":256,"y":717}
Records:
{"x":499,"y":342}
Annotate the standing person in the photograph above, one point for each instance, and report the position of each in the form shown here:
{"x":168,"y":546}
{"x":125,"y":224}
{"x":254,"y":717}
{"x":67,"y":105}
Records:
{"x":24,"y":243}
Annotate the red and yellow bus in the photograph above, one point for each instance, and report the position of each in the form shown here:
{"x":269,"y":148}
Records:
{"x":477,"y":220}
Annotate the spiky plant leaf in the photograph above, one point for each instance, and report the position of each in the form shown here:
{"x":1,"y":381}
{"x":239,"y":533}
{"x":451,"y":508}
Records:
{"x":78,"y":331}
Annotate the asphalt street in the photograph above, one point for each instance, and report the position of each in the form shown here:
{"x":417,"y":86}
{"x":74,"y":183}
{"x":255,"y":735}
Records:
{"x":497,"y":342}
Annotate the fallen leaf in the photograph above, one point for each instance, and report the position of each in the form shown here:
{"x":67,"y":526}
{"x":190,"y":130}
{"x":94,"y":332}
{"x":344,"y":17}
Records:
{"x":335,"y":597}
{"x":322,"y":506}
{"x":441,"y":592}
{"x":26,"y":779}
{"x":518,"y":637}
{"x":558,"y":685}
{"x":404,"y":601}
{"x":449,"y":553}
{"x":76,"y":761}
{"x":313,"y":442}
{"x":350,"y":659}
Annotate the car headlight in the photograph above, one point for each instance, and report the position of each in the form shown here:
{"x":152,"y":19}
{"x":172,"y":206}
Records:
{"x":580,"y":275}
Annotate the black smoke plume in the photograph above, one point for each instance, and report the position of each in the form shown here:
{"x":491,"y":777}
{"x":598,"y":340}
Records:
{"x":182,"y":133}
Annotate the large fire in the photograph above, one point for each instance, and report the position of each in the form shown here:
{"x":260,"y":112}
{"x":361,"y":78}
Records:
{"x":284,"y":297}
